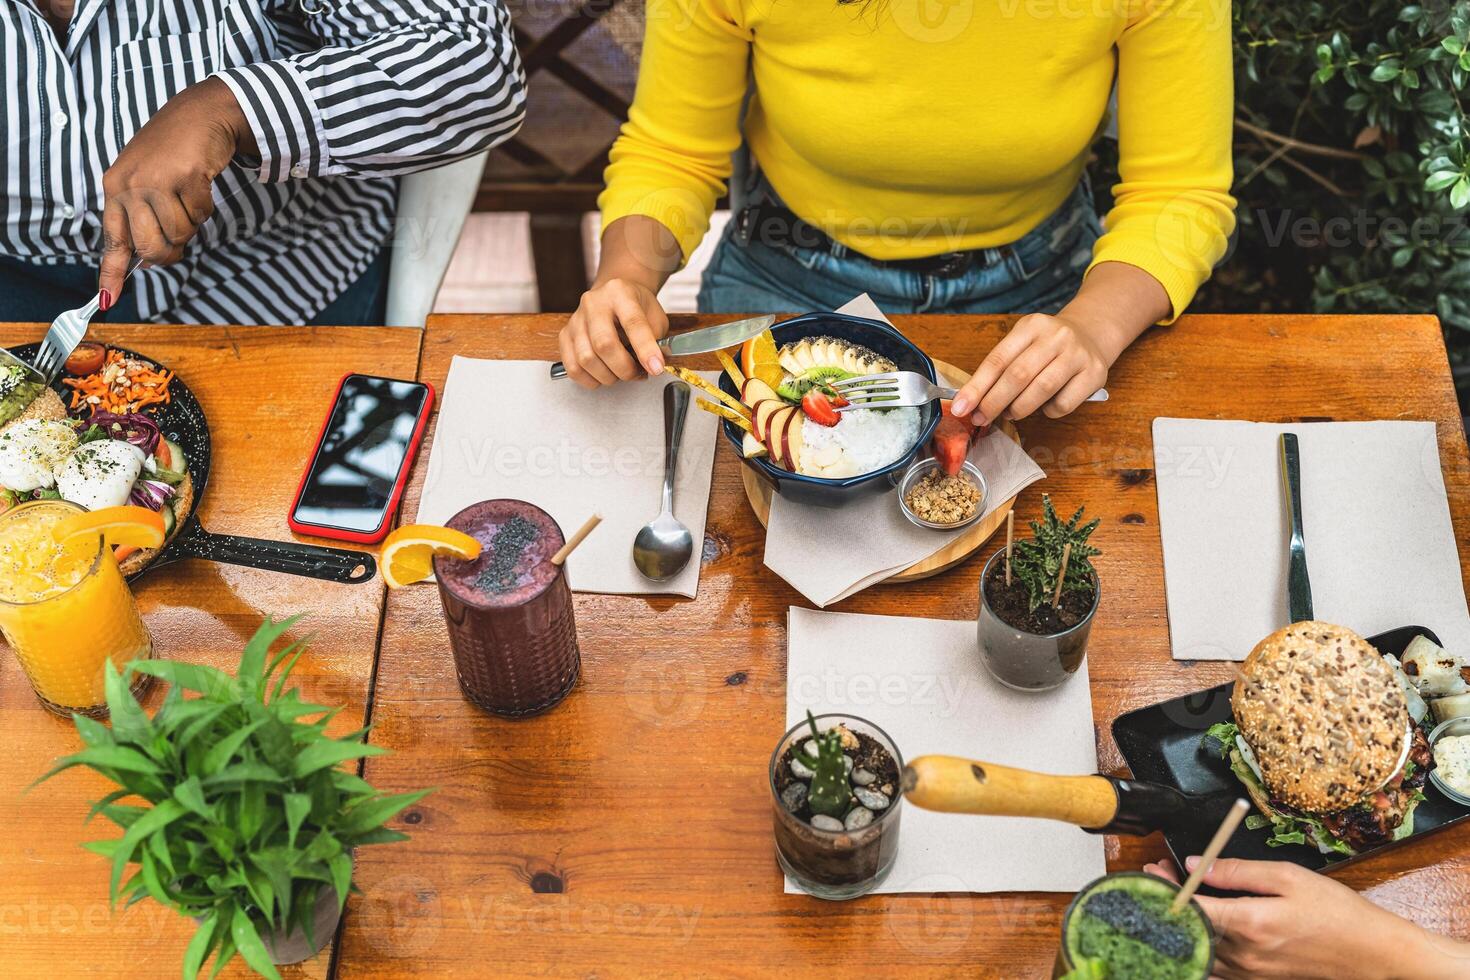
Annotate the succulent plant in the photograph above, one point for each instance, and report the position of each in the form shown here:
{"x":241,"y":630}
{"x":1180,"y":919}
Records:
{"x":829,"y":793}
{"x":1037,"y":563}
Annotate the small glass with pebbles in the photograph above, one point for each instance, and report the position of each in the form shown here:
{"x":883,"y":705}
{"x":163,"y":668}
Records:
{"x":836,"y":805}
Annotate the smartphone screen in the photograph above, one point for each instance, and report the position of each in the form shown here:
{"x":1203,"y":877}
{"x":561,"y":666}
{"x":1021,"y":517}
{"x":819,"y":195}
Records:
{"x":363,"y":451}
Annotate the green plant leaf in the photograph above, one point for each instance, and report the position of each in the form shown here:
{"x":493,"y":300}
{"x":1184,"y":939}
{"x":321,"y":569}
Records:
{"x":251,"y":675}
{"x":324,"y":754}
{"x":160,"y":816}
{"x":226,"y":948}
{"x":1460,"y":193}
{"x":247,"y":941}
{"x":200,"y":678}
{"x":367,"y":816}
{"x":1441,"y":179}
{"x":191,"y":795}
{"x":297,"y":806}
{"x":224,"y":750}
{"x":104,"y":757}
{"x":252,"y":810}
{"x":130,"y":722}
{"x":341,"y":866}
{"x":200,"y":945}
{"x":92,"y":731}
{"x":106,"y":802}
{"x":243,"y":772}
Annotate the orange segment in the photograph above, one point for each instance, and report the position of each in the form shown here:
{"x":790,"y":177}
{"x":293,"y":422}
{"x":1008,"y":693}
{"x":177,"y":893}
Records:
{"x":408,"y":553}
{"x":129,"y":526}
{"x":759,"y":359}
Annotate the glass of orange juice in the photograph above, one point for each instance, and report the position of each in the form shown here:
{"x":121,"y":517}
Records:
{"x":65,"y":609}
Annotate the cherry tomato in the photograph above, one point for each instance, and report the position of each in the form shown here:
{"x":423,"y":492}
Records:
{"x":86,"y":359}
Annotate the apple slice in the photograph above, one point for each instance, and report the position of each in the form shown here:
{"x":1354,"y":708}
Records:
{"x":751,"y":447}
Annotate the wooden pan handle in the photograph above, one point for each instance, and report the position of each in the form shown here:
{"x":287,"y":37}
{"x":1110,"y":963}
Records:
{"x":953,"y":785}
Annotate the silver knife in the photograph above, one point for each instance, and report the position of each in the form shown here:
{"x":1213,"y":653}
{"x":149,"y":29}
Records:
{"x":700,"y":341}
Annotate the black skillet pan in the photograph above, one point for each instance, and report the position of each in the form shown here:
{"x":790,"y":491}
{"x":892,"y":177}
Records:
{"x":183,"y":421}
{"x":1182,"y":786}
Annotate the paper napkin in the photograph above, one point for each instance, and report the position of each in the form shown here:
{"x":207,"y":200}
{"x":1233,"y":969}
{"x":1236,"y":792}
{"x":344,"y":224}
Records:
{"x":922,"y":682}
{"x":507,"y":430}
{"x":1381,"y":548}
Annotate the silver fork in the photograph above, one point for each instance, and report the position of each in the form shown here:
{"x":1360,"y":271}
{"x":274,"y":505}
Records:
{"x":68,"y":330}
{"x":903,"y":389}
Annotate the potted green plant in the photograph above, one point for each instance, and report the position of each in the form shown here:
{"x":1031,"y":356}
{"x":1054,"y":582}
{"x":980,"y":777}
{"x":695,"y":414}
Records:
{"x":1037,"y":602}
{"x":250,"y":824}
{"x":836,"y":805}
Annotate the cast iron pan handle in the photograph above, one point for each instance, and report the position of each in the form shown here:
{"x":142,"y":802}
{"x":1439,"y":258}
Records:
{"x":1097,"y":804}
{"x":289,"y":557}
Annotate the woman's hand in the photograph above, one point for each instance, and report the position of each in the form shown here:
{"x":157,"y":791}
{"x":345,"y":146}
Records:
{"x":612,"y":317}
{"x":1054,"y":363}
{"x":1302,"y":925}
{"x":1051,"y":363}
{"x":158,"y":190}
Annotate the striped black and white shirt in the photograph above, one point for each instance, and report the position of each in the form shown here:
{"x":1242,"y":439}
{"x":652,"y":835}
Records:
{"x":342,"y":95}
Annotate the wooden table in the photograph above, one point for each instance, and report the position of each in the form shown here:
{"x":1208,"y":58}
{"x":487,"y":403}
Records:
{"x":609,"y":837}
{"x":628,"y":832}
{"x":265,"y":391}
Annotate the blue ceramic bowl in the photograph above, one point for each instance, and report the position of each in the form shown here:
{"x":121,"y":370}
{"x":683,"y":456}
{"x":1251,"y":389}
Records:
{"x":880,"y":338}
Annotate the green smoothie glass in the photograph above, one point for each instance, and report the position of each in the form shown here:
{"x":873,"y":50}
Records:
{"x":1119,"y":928}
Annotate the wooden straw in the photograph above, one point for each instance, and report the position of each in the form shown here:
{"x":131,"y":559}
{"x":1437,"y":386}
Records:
{"x":1010,"y":540}
{"x":1056,"y":600}
{"x":576,"y":539}
{"x":1217,"y":844}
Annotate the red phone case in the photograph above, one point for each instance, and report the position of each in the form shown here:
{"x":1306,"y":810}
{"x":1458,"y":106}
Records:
{"x":362,"y":537}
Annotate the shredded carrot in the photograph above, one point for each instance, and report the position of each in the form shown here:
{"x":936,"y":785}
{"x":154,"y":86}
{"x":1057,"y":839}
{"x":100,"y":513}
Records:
{"x":124,"y":385}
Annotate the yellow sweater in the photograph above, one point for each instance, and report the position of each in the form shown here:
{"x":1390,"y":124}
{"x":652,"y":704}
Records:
{"x":908,"y":128}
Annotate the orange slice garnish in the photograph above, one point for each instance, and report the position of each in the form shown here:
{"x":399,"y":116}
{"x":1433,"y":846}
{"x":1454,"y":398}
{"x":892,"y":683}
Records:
{"x":128,"y":526}
{"x":759,"y":359}
{"x":408,"y":553}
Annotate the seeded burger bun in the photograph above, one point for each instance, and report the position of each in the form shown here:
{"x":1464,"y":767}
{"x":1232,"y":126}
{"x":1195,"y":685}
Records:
{"x":1324,"y":715}
{"x":48,"y":405}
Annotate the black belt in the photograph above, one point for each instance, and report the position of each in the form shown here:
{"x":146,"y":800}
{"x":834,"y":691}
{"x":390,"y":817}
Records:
{"x":779,"y":227}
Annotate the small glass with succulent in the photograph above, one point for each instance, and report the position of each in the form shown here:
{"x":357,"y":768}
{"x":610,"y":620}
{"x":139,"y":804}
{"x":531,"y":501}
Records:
{"x":250,"y":824}
{"x":1037,"y":602}
{"x":835,"y":798}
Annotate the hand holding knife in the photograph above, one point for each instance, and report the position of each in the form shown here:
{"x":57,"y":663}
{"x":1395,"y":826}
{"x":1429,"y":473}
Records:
{"x":702,"y":341}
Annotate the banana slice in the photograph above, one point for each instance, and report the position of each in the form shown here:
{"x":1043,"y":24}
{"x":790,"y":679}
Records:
{"x":788,"y":361}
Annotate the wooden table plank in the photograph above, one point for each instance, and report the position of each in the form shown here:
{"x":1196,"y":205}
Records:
{"x":628,"y":831}
{"x":265,"y":391}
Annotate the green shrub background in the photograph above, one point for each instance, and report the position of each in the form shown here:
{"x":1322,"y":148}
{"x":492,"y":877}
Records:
{"x":1351,"y":164}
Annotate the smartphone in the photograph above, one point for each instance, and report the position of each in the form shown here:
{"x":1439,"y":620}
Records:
{"x":362,"y":460}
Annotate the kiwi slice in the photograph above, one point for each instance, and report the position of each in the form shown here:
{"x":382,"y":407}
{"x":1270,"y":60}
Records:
{"x":795,"y":388}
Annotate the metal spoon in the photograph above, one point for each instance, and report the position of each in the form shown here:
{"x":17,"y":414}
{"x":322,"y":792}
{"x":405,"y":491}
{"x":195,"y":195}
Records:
{"x":664,"y":547}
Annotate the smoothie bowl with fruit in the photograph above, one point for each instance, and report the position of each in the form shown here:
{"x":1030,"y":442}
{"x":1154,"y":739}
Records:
{"x":790,"y":429}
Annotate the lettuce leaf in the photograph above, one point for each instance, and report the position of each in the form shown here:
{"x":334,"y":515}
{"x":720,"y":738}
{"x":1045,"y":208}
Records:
{"x":1285,"y":829}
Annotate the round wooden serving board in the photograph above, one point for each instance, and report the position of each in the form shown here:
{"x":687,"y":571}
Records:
{"x":758,"y":492}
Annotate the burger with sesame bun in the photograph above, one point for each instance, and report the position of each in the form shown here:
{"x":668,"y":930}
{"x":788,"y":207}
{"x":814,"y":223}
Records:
{"x":1324,"y":742}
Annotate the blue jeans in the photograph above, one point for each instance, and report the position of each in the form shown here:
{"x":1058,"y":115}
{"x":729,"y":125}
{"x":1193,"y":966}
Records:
{"x":31,"y":292}
{"x":1038,"y":274}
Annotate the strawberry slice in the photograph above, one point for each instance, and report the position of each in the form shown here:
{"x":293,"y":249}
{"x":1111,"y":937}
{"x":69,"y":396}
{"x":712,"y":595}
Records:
{"x":820,"y":408}
{"x":952,"y":439}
